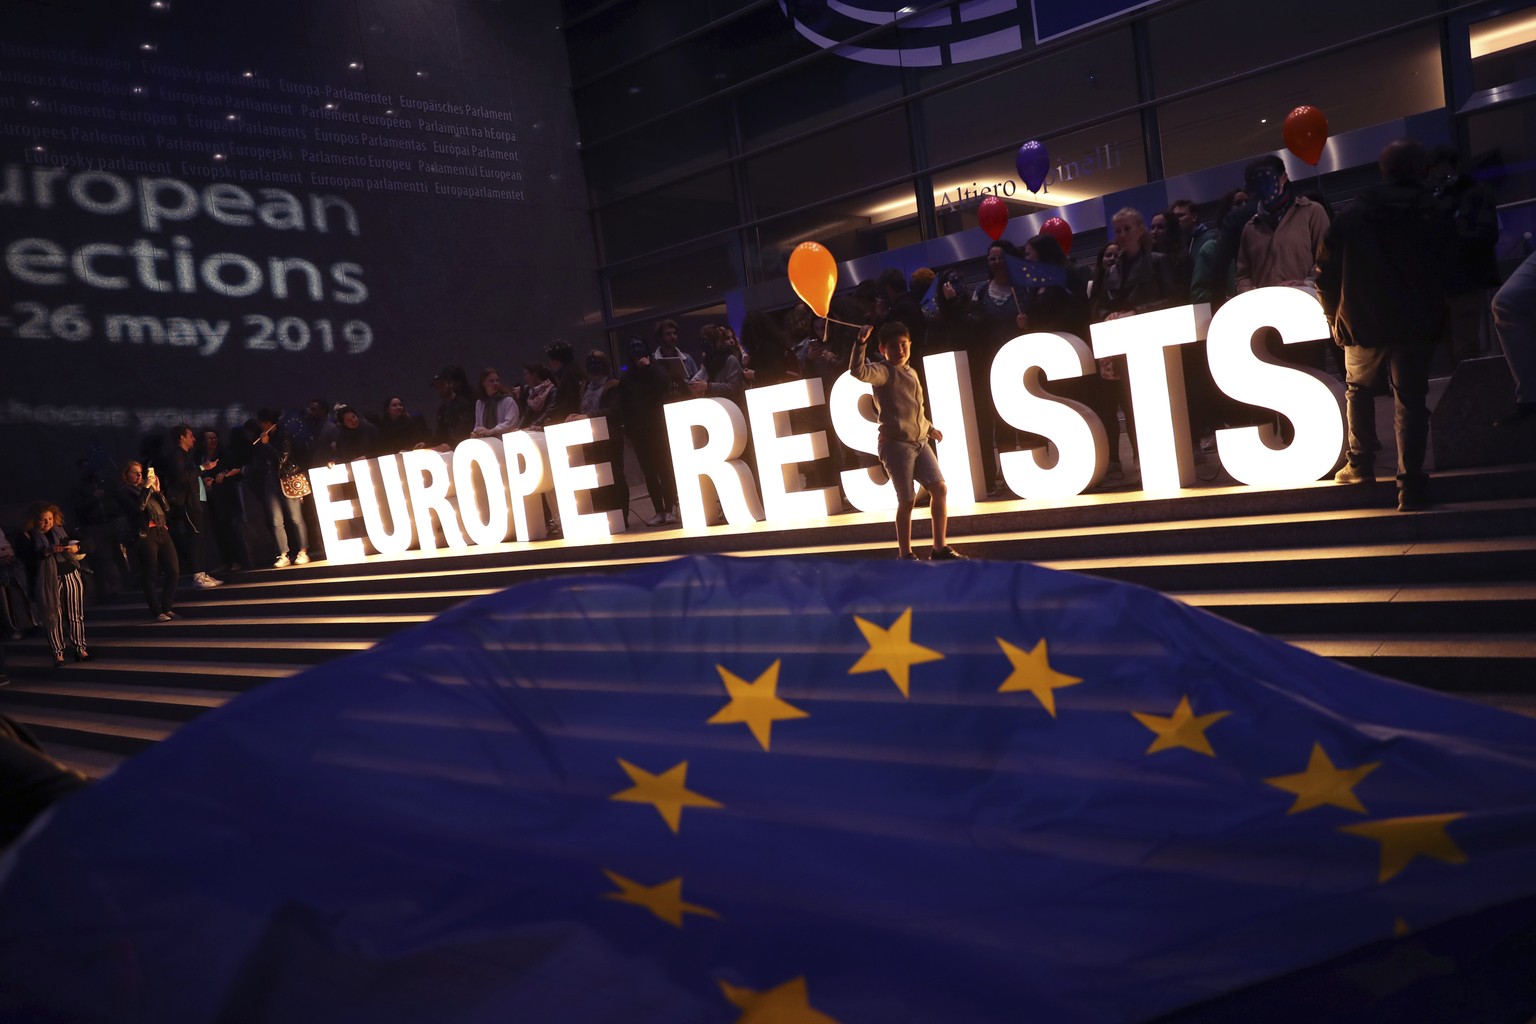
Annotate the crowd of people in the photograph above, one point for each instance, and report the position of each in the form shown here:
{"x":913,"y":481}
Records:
{"x":1409,"y":265}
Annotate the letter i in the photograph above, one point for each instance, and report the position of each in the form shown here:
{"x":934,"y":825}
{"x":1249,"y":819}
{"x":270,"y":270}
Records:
{"x":186,"y":278}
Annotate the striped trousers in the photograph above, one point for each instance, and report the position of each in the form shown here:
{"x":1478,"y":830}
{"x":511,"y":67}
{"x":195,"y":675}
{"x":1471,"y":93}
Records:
{"x":69,"y":625}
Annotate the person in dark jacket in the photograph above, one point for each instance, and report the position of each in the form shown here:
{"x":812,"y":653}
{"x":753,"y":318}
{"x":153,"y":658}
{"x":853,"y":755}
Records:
{"x":183,"y":489}
{"x":1474,"y":272}
{"x":401,"y":430}
{"x":455,"y":410}
{"x":1382,"y":274}
{"x":149,"y":539}
{"x":643,"y":389}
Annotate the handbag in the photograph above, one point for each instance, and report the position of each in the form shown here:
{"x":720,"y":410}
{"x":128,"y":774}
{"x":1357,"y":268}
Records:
{"x":293,"y":481}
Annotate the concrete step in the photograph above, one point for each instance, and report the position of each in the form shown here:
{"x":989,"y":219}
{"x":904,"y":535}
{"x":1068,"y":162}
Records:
{"x":117,"y":735}
{"x":1445,"y":598}
{"x":1405,"y":610}
{"x":1491,"y":664}
{"x":28,"y":667}
{"x":1498,"y":559}
{"x":107,"y":699}
{"x":112,"y":647}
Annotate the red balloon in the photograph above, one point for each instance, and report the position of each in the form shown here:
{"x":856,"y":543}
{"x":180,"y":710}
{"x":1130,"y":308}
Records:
{"x":1059,"y":230}
{"x":1306,"y":131}
{"x":992,"y":215}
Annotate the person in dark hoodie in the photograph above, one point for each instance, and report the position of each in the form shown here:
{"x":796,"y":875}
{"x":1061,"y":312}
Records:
{"x":1382,"y":273}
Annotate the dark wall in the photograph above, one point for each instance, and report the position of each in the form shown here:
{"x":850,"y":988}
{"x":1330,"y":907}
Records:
{"x":210,"y":207}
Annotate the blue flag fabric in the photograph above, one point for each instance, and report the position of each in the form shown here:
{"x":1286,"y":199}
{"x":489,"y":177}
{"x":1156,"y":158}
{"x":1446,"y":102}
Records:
{"x":776,"y":790}
{"x":1026,"y":274}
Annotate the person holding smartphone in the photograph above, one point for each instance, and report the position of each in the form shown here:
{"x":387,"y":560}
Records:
{"x":56,"y":583}
{"x":149,"y":539}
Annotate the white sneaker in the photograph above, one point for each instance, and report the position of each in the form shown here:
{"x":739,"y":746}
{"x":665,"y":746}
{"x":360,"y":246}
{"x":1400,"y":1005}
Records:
{"x":659,"y":519}
{"x":202,"y":581}
{"x":673,"y":517}
{"x":302,"y":558}
{"x":282,"y":562}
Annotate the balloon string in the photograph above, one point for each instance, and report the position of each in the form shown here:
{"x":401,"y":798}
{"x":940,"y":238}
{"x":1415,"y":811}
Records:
{"x":843,"y":323}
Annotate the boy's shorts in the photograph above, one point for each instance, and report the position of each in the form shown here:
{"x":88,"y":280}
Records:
{"x":905,"y":461}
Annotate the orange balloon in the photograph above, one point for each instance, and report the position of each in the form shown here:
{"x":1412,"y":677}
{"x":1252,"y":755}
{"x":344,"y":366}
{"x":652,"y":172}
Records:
{"x":813,"y":276}
{"x":1306,"y":131}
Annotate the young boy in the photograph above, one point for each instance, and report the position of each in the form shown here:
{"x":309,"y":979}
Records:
{"x":904,"y":434}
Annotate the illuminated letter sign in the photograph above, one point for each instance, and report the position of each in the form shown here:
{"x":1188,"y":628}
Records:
{"x":1156,"y":375}
{"x":330,"y":511}
{"x":780,"y":452}
{"x":493,"y":488}
{"x":1300,"y":394}
{"x":574,"y":484}
{"x":527,"y":464}
{"x":853,"y":418}
{"x":486,"y":521}
{"x":707,"y":436}
{"x":954,"y":410}
{"x":403,"y":537}
{"x":1022,"y":402}
{"x":429,"y":482}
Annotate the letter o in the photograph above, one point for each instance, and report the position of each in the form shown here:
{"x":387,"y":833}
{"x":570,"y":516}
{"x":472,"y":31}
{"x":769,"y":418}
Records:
{"x":212,"y":274}
{"x":80,"y":192}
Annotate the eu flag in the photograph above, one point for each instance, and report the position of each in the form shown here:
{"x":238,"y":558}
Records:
{"x":1027,"y":274}
{"x":778,"y":790}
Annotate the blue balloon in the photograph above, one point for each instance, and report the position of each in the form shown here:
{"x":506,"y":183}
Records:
{"x":1034,"y":164}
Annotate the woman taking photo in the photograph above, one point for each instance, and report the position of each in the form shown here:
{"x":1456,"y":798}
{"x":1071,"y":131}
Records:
{"x":56,"y":584}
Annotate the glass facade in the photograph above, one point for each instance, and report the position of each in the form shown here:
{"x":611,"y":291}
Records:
{"x":718,"y":134}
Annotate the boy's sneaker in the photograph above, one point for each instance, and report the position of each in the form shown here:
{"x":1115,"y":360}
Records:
{"x":203,"y":581}
{"x":907,"y":556}
{"x":282,"y":562}
{"x":944,"y":554}
{"x":302,"y":558}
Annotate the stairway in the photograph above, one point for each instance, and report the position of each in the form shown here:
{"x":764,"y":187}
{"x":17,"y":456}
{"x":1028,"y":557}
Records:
{"x":1444,"y":598}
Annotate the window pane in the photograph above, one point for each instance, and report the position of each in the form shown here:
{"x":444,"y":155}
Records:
{"x":682,"y":280}
{"x":1503,"y":49}
{"x":1387,"y":79}
{"x":1212,"y":40}
{"x":623,"y":30}
{"x":688,"y":209}
{"x":1028,"y":102}
{"x":803,"y":172}
{"x":1505,"y":139}
{"x":748,"y":46}
{"x":813,"y":94}
{"x":690,"y":141}
{"x":873,"y":223}
{"x":1086,"y":165}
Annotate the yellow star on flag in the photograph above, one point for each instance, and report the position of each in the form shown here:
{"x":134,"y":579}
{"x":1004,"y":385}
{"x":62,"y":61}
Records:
{"x":788,"y":1003}
{"x":1032,"y":673}
{"x":1400,"y":928}
{"x":1323,"y":783}
{"x":1403,"y":839}
{"x":892,"y":651}
{"x":667,"y":792}
{"x":1183,"y":728}
{"x":664,"y":900}
{"x":756,"y":704}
